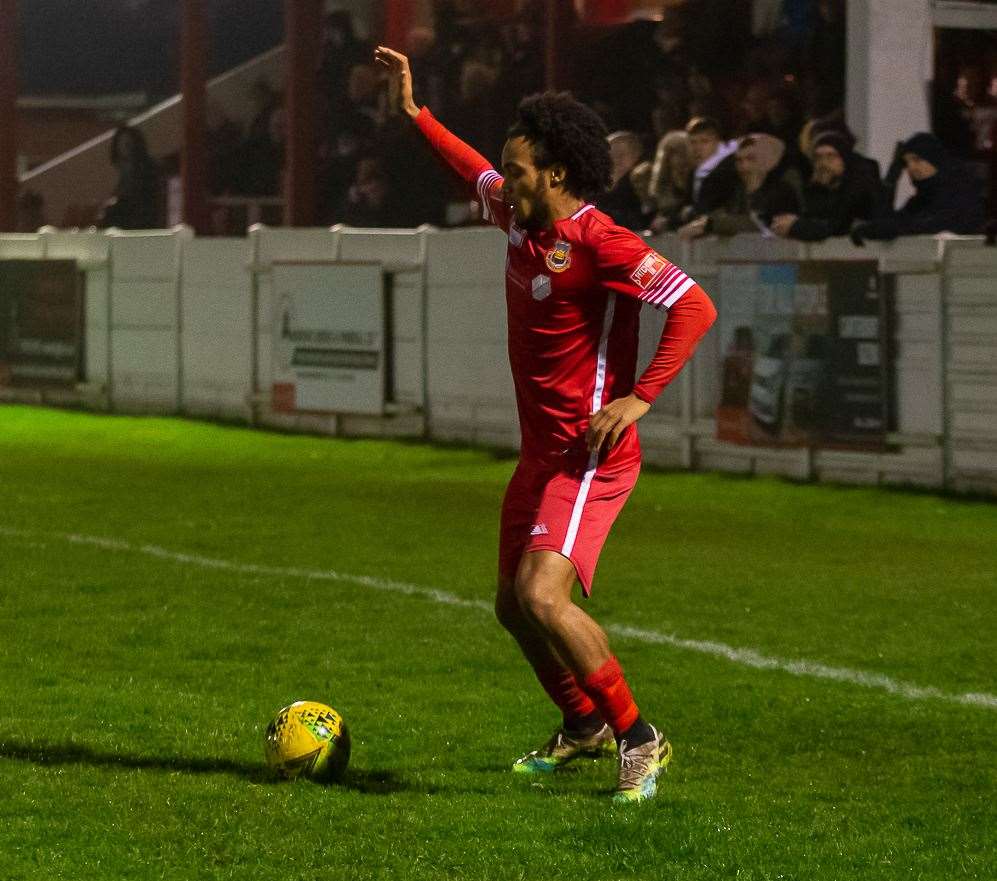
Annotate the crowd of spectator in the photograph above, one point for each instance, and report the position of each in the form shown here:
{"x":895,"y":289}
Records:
{"x":773,"y":155}
{"x":722,"y":122}
{"x":700,"y":184}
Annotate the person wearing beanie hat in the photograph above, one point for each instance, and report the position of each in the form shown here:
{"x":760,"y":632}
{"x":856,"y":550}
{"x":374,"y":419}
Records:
{"x":838,"y":141}
{"x":834,"y":122}
{"x":928,"y":148}
{"x":841,"y":191}
{"x":949,"y":198}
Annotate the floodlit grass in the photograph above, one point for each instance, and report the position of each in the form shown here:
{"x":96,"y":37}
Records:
{"x":136,"y":687}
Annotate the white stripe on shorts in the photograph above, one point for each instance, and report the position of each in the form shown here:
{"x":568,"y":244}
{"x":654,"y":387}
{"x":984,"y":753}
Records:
{"x":576,"y":511}
{"x":600,"y":385}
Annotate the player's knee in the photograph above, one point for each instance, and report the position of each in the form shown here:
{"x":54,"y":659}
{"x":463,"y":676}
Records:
{"x":536,"y":601}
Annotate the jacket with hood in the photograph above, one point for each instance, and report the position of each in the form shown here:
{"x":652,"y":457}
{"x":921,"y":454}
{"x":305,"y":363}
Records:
{"x":949,"y":201}
{"x":777,"y":191}
{"x":857,"y":195}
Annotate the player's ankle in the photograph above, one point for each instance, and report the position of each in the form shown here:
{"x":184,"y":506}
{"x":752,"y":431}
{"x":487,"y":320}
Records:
{"x":583,"y":726}
{"x":637,"y":734}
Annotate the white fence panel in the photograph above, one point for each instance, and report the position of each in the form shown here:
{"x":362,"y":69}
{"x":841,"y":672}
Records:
{"x":409,"y":339}
{"x":971,"y":365}
{"x":402,"y":254}
{"x":22,"y":246}
{"x":918,"y":351}
{"x":144,"y":290}
{"x":216,"y":328}
{"x":470,"y":389}
{"x":395,"y":249}
{"x":95,"y":328}
{"x":267,"y":245}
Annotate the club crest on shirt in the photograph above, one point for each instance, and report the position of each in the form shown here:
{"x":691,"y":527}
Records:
{"x":559,"y":257}
{"x":648,"y":269}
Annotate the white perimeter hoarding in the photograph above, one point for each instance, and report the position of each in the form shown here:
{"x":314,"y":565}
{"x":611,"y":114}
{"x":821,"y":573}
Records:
{"x":328,"y":337}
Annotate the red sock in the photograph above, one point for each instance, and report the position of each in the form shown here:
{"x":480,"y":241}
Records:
{"x":611,"y":694}
{"x":561,"y":685}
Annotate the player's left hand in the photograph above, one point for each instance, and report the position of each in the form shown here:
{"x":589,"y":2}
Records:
{"x":612,"y":420}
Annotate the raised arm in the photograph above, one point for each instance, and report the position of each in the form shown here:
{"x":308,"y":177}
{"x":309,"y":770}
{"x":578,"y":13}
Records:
{"x":469,"y":165}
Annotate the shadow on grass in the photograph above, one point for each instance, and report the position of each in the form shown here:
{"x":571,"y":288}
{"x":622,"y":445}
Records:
{"x":582,"y":779}
{"x":371,"y":782}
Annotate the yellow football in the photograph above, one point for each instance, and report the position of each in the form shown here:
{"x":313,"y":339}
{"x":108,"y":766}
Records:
{"x":308,"y":739}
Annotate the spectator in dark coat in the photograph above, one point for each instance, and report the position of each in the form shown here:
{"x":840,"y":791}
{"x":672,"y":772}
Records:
{"x":768,"y":185}
{"x":714,"y":175}
{"x":623,"y":202}
{"x":948,"y":199}
{"x":835,"y":122}
{"x":841,"y":191}
{"x":30,"y":211}
{"x":136,"y":200}
{"x":262,"y":151}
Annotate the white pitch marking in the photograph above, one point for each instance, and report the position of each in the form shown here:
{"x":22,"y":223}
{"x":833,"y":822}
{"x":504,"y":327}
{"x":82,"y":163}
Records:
{"x":744,"y":657}
{"x":751,"y":658}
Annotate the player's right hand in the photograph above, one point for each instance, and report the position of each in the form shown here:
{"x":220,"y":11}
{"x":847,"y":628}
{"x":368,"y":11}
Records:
{"x":399,"y":80}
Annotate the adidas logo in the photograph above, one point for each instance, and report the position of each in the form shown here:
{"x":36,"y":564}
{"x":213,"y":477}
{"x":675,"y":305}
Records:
{"x":540,"y":529}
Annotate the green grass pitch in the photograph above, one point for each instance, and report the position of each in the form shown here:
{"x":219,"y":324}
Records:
{"x":165,"y":587}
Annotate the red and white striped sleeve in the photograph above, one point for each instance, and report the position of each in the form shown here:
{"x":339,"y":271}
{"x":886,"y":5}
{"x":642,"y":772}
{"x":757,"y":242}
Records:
{"x":627,"y":265}
{"x":493,"y":206}
{"x":469,"y":165}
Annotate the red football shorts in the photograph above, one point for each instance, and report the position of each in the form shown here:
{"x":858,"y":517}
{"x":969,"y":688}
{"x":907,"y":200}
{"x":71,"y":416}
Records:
{"x":563,"y":509}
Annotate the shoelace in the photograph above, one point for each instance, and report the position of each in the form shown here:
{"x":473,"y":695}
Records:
{"x":632,"y":768}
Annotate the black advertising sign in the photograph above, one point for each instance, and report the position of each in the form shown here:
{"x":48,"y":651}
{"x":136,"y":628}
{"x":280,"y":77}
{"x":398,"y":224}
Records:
{"x":807,"y":357}
{"x":861,"y":396}
{"x":41,"y":323}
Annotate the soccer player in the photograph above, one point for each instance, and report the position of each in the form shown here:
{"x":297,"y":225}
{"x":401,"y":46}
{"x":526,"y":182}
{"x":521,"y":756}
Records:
{"x":575,"y":282}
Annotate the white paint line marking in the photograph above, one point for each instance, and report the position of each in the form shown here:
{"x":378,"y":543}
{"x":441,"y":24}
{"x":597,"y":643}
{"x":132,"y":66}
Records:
{"x":744,"y":657}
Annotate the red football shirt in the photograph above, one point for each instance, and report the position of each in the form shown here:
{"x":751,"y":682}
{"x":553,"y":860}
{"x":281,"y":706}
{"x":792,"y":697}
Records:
{"x":573,"y":295}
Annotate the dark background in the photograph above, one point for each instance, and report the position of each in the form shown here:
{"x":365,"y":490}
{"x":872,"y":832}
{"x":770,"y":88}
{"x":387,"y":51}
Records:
{"x":100,"y":46}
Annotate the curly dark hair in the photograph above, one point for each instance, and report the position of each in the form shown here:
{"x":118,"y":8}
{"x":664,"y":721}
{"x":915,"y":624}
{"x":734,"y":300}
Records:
{"x":562,"y":129}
